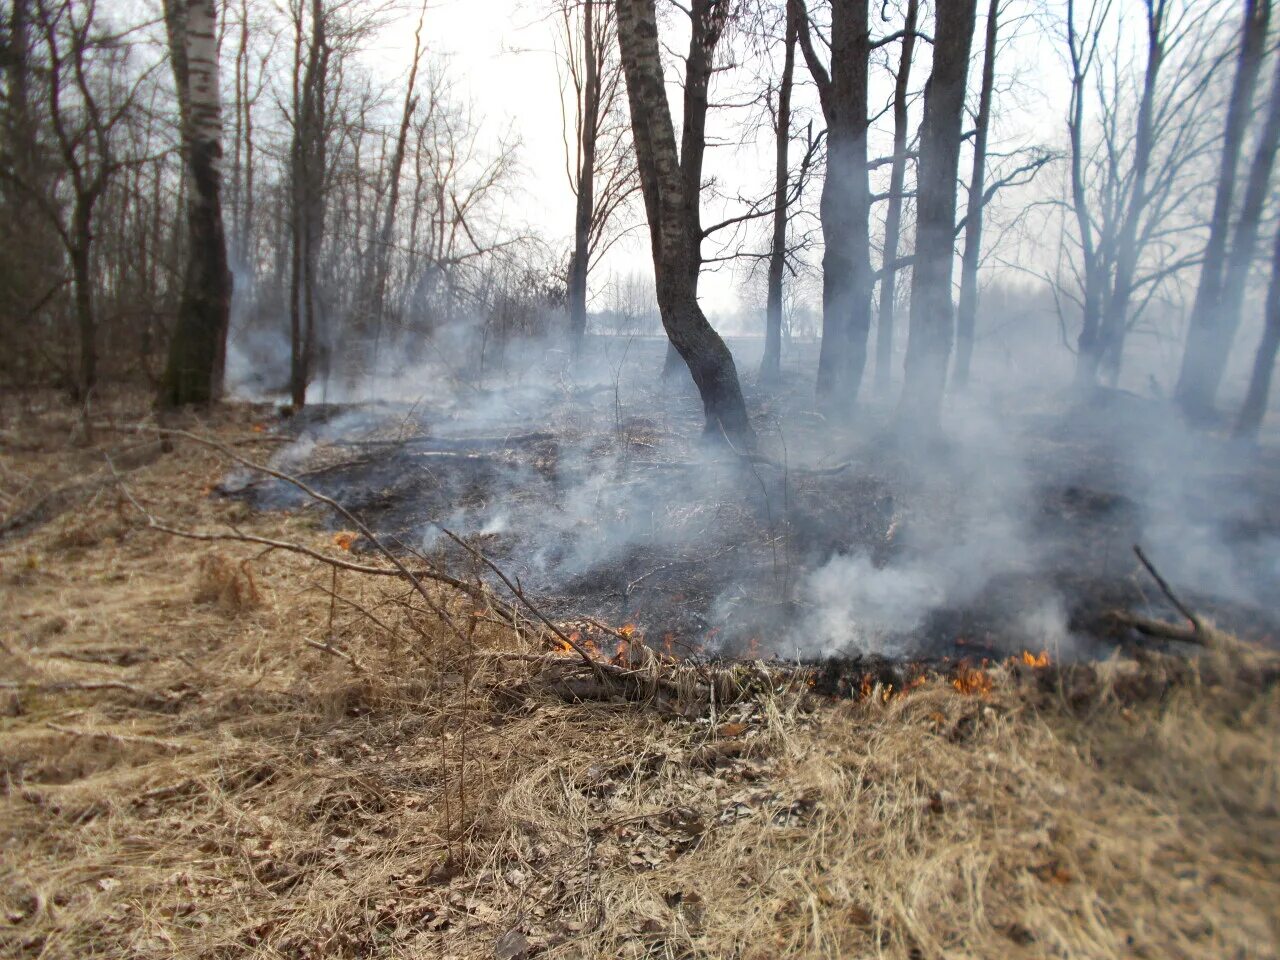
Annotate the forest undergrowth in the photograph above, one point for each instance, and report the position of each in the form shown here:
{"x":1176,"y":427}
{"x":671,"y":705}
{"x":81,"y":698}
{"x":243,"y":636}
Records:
{"x":216,"y":749}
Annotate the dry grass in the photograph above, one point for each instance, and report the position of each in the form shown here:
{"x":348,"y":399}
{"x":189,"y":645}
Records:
{"x":185,"y":776}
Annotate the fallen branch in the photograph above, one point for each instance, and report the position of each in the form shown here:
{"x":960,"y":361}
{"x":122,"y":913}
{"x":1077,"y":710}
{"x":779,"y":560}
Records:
{"x":411,"y":576}
{"x":1159,"y":629}
{"x":238,"y":536}
{"x":1196,"y":632}
{"x":334,"y":652}
{"x":518,"y":593}
{"x":1163,"y":584}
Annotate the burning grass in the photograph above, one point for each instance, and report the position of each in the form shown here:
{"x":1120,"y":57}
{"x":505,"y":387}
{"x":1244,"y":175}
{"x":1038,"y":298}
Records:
{"x":192,"y":771}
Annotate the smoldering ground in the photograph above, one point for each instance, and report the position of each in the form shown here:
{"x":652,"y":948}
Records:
{"x":590,"y":481}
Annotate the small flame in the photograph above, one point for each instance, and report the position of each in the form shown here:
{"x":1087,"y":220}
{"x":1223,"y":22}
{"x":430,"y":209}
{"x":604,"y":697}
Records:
{"x":971,"y":682}
{"x":345,"y":539}
{"x":1036,"y":661}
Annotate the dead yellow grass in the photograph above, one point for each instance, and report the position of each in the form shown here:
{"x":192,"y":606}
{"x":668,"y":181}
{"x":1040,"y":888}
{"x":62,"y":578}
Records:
{"x":185,"y":776}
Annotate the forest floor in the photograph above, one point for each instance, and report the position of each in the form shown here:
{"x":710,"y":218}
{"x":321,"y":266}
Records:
{"x":187,"y":774}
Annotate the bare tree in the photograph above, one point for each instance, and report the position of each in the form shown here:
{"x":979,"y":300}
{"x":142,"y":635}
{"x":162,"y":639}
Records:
{"x":1134,"y":183}
{"x":377,"y":261}
{"x":310,"y":89}
{"x":846,"y":199}
{"x":1255,"y":402}
{"x":930,"y":333}
{"x":601,"y":170}
{"x":197,"y":349}
{"x":89,"y":98}
{"x":671,"y":186}
{"x":893,"y":213}
{"x":771,"y":364}
{"x":1204,"y":313}
{"x":1109,"y":342}
{"x":967,"y":311}
{"x":1224,"y":276}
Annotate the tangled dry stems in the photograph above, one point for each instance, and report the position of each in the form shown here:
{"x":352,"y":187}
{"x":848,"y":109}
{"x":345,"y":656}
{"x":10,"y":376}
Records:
{"x":404,"y":809}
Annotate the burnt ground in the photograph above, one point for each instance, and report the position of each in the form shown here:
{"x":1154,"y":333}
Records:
{"x":1013,"y":531}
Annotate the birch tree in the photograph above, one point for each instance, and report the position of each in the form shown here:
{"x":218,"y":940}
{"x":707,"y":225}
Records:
{"x":670,"y":184}
{"x":197,"y":348}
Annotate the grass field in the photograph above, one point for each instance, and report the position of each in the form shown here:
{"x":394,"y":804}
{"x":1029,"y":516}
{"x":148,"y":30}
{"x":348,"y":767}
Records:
{"x":187,"y":773}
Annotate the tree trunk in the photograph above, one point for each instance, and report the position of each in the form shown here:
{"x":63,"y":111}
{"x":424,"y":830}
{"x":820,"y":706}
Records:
{"x":1192,"y":382}
{"x":845,"y":206}
{"x":930,"y":331}
{"x":1255,"y":401}
{"x":967,"y":313}
{"x":893,"y":214}
{"x":1209,"y":345}
{"x":589,"y":124}
{"x":82,"y":292}
{"x":379,"y":257}
{"x":197,"y":350}
{"x":307,"y":215}
{"x":1087,"y":346}
{"x":674,"y":234}
{"x":771,"y":365}
{"x":1115,"y":317}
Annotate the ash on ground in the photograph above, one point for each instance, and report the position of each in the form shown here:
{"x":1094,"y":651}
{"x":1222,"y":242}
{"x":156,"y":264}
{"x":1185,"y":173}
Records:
{"x":1010,"y":530}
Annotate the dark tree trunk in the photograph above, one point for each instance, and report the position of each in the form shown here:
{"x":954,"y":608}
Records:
{"x":198,"y":348}
{"x":1192,"y":380}
{"x":82,"y":294}
{"x":1255,"y":401}
{"x":967,"y":313}
{"x":307,"y":215}
{"x":893,"y":214}
{"x":771,"y":365}
{"x":673,"y":226}
{"x":930,"y":333}
{"x":579,"y":263}
{"x":1209,"y":346}
{"x":845,"y":207}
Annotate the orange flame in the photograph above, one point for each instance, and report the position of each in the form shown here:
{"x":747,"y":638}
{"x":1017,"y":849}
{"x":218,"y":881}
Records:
{"x":1036,"y":661}
{"x":972,"y":682}
{"x":345,"y":539}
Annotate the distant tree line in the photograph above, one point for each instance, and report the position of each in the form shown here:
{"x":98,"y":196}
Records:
{"x":234,"y":158}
